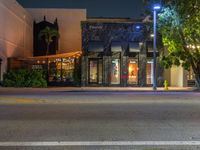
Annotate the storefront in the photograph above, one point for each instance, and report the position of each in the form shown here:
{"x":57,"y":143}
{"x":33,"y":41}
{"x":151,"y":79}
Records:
{"x":117,"y":53}
{"x":62,"y":69}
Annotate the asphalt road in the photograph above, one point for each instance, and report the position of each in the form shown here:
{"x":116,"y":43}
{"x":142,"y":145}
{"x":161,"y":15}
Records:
{"x":99,"y":116}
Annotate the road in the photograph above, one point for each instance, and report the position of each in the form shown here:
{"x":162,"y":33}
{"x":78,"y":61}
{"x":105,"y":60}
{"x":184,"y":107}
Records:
{"x":99,"y":116}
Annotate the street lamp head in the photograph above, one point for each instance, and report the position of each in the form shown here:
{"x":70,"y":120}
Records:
{"x":138,"y":27}
{"x":157,"y":7}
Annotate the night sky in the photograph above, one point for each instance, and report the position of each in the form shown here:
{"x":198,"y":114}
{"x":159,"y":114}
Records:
{"x":95,"y":8}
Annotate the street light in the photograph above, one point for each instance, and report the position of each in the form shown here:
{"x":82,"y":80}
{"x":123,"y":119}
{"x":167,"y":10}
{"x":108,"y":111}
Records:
{"x":156,"y":8}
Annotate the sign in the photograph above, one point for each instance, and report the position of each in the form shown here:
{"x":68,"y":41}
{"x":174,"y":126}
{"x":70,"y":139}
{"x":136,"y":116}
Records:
{"x":34,"y":67}
{"x":96,"y":27}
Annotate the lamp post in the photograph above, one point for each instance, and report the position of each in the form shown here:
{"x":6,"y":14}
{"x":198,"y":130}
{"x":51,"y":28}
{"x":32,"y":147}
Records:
{"x":156,"y":8}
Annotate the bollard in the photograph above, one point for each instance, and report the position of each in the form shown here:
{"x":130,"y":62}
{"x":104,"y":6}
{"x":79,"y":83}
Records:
{"x":165,"y":85}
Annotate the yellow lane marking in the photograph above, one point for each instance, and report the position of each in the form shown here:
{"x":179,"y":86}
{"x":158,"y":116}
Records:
{"x":17,"y":100}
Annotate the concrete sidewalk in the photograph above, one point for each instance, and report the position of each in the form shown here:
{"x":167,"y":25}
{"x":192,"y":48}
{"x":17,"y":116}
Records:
{"x":97,"y":89}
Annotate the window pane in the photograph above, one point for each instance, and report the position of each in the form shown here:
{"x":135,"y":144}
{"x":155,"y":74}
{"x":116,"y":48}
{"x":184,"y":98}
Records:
{"x":133,"y":72}
{"x":115,"y":71}
{"x":93,"y":71}
{"x":68,"y":70}
{"x":149,"y":72}
{"x":54,"y":70}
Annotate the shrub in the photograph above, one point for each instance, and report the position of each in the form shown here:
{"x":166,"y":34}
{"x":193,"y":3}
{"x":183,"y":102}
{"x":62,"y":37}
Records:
{"x":25,"y":78}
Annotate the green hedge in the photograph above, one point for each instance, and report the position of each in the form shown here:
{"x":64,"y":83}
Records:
{"x":25,"y":78}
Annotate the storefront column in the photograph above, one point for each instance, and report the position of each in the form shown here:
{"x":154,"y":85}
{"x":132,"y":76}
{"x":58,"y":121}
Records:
{"x":106,"y":70}
{"x":84,"y":71}
{"x":159,"y":72}
{"x":124,"y":71}
{"x":142,"y":66}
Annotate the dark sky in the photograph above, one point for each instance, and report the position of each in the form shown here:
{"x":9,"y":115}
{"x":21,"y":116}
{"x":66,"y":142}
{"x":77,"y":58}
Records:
{"x":95,"y":8}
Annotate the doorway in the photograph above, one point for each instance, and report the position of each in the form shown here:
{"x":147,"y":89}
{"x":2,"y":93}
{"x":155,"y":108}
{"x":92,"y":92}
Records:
{"x":133,"y":72}
{"x":95,"y":71}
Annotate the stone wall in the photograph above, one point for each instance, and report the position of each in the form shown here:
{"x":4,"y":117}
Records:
{"x":16,"y":28}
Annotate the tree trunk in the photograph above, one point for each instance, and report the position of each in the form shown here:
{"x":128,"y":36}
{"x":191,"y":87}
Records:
{"x":196,"y":71}
{"x":197,"y":77}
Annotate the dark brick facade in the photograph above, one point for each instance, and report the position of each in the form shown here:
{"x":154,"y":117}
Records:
{"x":122,"y":33}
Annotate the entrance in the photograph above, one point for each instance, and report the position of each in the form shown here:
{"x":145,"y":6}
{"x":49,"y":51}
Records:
{"x":95,"y":71}
{"x":133,"y":72}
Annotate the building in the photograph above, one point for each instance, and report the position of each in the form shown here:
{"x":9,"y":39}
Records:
{"x":16,"y":32}
{"x":19,"y":41}
{"x":99,"y":52}
{"x":117,"y":52}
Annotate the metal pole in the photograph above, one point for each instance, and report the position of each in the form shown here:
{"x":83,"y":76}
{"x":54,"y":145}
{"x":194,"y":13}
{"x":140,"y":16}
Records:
{"x":154,"y":53}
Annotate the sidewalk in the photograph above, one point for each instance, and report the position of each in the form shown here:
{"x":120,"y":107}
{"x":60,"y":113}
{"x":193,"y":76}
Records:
{"x":97,"y":89}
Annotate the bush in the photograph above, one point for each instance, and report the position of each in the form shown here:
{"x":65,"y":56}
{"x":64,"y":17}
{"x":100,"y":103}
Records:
{"x":24,"y":78}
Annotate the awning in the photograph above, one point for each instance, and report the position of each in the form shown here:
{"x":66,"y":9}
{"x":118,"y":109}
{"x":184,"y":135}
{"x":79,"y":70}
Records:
{"x":63,"y":55}
{"x":116,"y":47}
{"x":134,"y":46}
{"x":96,"y":47}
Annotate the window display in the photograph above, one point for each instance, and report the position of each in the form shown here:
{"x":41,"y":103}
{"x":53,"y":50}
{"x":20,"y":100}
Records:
{"x":133,"y":72}
{"x":93,"y":78}
{"x":61,"y":69}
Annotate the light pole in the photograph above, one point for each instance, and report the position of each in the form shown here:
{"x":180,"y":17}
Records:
{"x":156,"y":8}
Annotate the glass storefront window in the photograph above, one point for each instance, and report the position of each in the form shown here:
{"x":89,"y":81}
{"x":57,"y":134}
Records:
{"x":93,"y":78}
{"x":54,"y":70}
{"x":149,"y":72}
{"x":115,"y":71}
{"x":61,"y":69}
{"x":68,"y":70}
{"x":133,"y":72}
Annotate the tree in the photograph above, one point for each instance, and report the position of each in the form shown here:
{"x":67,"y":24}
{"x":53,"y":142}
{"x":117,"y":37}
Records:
{"x":179,"y":24}
{"x":48,"y":34}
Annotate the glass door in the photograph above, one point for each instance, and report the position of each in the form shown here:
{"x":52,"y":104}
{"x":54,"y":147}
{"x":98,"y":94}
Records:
{"x":149,"y":72}
{"x":133,"y":72}
{"x":115,"y":71}
{"x":93,"y":71}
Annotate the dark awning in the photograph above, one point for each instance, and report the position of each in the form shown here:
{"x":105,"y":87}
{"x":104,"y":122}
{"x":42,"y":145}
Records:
{"x":96,"y":47}
{"x":116,"y":47}
{"x":134,"y":47}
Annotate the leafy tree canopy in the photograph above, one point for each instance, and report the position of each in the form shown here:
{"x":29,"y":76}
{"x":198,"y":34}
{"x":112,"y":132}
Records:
{"x":179,"y":24}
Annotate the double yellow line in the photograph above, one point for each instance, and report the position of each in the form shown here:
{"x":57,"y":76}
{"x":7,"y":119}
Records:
{"x":17,"y":100}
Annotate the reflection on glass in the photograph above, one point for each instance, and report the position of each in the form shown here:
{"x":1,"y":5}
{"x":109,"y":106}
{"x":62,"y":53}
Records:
{"x":61,"y":70}
{"x":93,"y":71}
{"x":133,"y":72}
{"x":115,"y":71}
{"x":68,"y":70}
{"x":149,"y":72}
